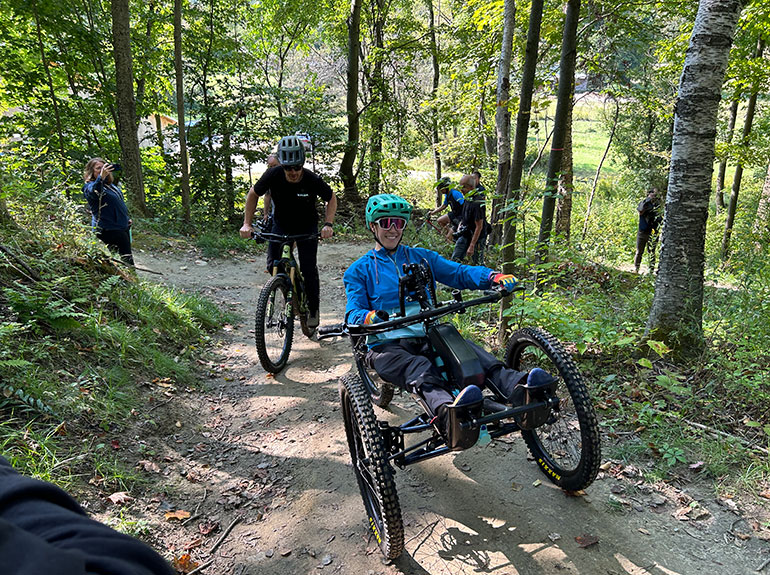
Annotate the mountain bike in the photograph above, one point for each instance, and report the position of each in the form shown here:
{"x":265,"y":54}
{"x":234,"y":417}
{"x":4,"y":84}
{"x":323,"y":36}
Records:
{"x":557,"y":422}
{"x":281,"y":300}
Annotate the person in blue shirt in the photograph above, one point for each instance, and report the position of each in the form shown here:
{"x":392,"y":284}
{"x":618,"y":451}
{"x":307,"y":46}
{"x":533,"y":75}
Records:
{"x":400,"y":356}
{"x":109,"y":213}
{"x":454,"y":199}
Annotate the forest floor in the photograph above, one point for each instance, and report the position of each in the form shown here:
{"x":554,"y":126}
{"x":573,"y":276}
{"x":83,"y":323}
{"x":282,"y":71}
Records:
{"x":267,"y":456}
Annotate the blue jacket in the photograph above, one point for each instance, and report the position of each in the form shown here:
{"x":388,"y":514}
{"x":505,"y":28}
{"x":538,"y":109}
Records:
{"x":371,"y":283}
{"x":108,"y":208}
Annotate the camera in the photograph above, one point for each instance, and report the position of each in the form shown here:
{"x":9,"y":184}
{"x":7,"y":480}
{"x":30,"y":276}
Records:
{"x":116,"y":167}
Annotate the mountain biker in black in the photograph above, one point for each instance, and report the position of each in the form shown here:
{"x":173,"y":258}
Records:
{"x":295,"y":192}
{"x":647,"y":234}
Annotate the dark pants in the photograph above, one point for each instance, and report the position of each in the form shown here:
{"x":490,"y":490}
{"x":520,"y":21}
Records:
{"x":407,"y":364}
{"x":461,"y":248}
{"x":648,"y":239}
{"x":307,"y":252}
{"x":118,"y":241}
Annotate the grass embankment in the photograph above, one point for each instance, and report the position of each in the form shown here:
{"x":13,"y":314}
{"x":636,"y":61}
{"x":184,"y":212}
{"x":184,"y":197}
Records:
{"x":83,"y":346}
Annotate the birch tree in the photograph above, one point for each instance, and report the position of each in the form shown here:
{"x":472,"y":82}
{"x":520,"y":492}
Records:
{"x":677,"y":307}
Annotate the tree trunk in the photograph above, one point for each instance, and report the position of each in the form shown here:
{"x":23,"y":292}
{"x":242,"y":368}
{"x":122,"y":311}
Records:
{"x":205,"y":88}
{"x":378,"y":99}
{"x":732,"y":206}
{"x":566,"y":186}
{"x":513,"y":189}
{"x":720,"y":197}
{"x":124,"y":95}
{"x":227,"y":160}
{"x":503,"y":114}
{"x":184,"y":162}
{"x":433,"y":95}
{"x":563,"y":105}
{"x":348,"y":177}
{"x":761,"y":226}
{"x":599,"y":169}
{"x":52,"y":93}
{"x":677,"y":307}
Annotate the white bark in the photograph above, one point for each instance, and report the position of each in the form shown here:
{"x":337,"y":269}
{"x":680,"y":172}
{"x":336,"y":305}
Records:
{"x":676,"y":314}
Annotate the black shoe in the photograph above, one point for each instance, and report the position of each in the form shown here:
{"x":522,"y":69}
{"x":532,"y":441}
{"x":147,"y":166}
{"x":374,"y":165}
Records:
{"x":539,"y":385}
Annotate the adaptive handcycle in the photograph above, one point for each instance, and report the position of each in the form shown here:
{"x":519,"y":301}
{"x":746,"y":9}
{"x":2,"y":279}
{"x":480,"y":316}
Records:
{"x":558,"y":422}
{"x":281,"y":299}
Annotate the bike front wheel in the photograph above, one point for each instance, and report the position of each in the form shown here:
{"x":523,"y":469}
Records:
{"x":567,"y":446}
{"x":274,"y":323}
{"x":370,"y":464}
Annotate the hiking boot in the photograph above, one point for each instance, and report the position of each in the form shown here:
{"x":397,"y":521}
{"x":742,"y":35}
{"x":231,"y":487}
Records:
{"x":313,"y":319}
{"x":451,"y":416}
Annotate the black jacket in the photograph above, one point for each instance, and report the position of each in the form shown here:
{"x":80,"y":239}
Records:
{"x":44,"y":531}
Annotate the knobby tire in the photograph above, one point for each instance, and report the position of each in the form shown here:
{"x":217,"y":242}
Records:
{"x":568,"y":448}
{"x":370,"y":464}
{"x":274,"y":321}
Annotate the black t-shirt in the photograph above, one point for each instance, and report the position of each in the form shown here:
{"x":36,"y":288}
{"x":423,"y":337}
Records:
{"x":472,"y":212}
{"x":295,"y":204}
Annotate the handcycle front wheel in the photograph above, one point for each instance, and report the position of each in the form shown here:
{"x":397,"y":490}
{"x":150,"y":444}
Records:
{"x":370,"y":464}
{"x":567,"y":446}
{"x":274,"y":323}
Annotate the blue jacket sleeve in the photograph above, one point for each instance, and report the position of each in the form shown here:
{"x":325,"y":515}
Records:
{"x":92,"y":192}
{"x":457,"y":275}
{"x":356,"y":292}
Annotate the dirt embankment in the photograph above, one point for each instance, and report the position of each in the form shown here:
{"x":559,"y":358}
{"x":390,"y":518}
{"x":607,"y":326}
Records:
{"x":267,"y":456}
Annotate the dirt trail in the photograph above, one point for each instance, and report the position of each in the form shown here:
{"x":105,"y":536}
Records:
{"x":271,"y":454}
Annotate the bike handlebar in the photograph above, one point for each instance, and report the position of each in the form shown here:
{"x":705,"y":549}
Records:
{"x":271,"y":237}
{"x":442,"y":309}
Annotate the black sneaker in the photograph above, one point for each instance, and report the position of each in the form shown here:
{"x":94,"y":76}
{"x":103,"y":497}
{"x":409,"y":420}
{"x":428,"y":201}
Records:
{"x":537,"y":387}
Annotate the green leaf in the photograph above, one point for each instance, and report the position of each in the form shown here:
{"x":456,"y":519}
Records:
{"x":644,"y":362}
{"x":750,"y":423}
{"x":658,"y":347}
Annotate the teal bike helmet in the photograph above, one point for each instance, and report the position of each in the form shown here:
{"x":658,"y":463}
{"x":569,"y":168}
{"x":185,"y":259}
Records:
{"x":291,"y":151}
{"x":387,"y":205}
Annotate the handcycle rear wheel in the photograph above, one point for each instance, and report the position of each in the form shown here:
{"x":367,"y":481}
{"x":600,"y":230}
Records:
{"x":567,"y":447}
{"x":274,"y":323}
{"x":373,"y":472}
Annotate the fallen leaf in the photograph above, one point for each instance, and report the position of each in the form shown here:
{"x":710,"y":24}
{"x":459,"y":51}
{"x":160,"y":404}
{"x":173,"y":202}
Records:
{"x":605,"y":466}
{"x":644,"y":531}
{"x":586,"y":540}
{"x":554,"y":537}
{"x":197,"y":542}
{"x":269,"y":376}
{"x":765,"y":494}
{"x":120,"y":498}
{"x":536,"y":483}
{"x":184,"y":563}
{"x":697,"y":466}
{"x":178,"y":515}
{"x":207,"y":527}
{"x":148,"y":466}
{"x":115,"y":444}
{"x":743,"y":536}
{"x":285,"y":552}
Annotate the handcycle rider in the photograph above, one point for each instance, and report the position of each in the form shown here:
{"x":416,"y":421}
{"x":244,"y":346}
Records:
{"x":294,"y":192}
{"x":402,"y":356}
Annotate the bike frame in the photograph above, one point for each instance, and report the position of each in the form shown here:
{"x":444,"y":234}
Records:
{"x":287,"y":264}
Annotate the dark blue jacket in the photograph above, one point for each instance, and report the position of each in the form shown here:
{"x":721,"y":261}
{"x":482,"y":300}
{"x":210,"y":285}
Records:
{"x":108,"y":208}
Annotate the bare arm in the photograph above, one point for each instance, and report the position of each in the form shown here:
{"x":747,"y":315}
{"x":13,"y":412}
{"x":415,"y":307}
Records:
{"x":248,"y":213}
{"x":475,"y":238}
{"x":331,"y":210}
{"x":267,"y":201}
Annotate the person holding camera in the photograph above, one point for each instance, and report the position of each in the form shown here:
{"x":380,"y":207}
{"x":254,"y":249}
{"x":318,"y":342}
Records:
{"x":109,"y":213}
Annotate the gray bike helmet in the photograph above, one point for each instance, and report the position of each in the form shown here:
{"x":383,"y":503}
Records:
{"x":444,"y":183}
{"x":291,"y":151}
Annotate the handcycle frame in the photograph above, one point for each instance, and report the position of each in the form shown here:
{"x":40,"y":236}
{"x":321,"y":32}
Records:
{"x":557,"y":420}
{"x":288,"y":279}
{"x":435,"y":445}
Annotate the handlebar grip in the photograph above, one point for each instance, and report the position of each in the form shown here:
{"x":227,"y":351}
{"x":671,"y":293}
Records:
{"x":327,"y":329}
